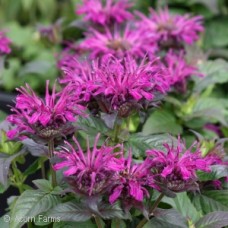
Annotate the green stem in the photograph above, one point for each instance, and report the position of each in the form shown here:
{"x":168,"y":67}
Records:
{"x":155,"y":205}
{"x":98,"y":222}
{"x":43,"y":170}
{"x":29,"y":225}
{"x":51,"y":154}
{"x":117,"y":129}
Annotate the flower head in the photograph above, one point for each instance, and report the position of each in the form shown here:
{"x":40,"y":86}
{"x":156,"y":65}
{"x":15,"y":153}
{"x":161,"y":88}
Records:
{"x":4,"y":44}
{"x":119,"y":85}
{"x":178,"y":69}
{"x":90,"y":173}
{"x":113,"y":11}
{"x":119,"y":43}
{"x":172,"y":29}
{"x":131,"y":181}
{"x":46,"y":118}
{"x":177,"y":167}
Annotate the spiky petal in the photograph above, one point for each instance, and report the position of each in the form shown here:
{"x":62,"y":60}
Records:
{"x":92,"y":172}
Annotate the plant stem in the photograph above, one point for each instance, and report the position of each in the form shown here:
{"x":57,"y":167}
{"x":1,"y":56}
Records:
{"x":42,"y":169}
{"x":155,"y":205}
{"x":29,"y":225}
{"x":98,"y":222}
{"x":117,"y":129}
{"x":51,"y":154}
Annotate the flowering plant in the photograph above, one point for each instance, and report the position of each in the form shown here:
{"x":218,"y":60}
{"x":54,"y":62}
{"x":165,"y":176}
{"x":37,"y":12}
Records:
{"x":111,"y":138}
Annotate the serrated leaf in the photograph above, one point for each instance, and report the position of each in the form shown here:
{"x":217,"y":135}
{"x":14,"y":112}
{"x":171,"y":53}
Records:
{"x":108,"y":211}
{"x":216,"y":219}
{"x":87,"y":224}
{"x":139,"y":143}
{"x":161,"y":121}
{"x":218,"y":171}
{"x":209,"y":201}
{"x":92,"y":125}
{"x":43,"y":185}
{"x":208,"y":108}
{"x":30,"y":204}
{"x":5,"y":161}
{"x":183,"y":204}
{"x":36,"y":149}
{"x":216,"y":33}
{"x":71,"y":212}
{"x":166,"y":218}
{"x":215,"y":71}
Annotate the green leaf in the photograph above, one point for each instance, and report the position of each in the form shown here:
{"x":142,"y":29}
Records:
{"x":71,"y":212}
{"x":216,"y":219}
{"x":36,"y":67}
{"x":139,"y":143}
{"x":216,"y":33}
{"x":30,"y":204}
{"x":32,"y":168}
{"x":215,"y":71}
{"x":166,"y":218}
{"x":108,"y":211}
{"x":4,"y":223}
{"x":209,"y":201}
{"x":183,"y":204}
{"x":208,"y":108}
{"x":218,"y":171}
{"x":5,"y":161}
{"x":43,"y":185}
{"x":87,"y":224}
{"x":92,"y":125}
{"x":161,"y":121}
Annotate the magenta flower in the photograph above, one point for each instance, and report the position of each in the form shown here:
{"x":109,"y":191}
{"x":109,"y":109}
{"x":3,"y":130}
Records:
{"x":4,"y":44}
{"x":176,"y":168}
{"x":129,"y":41}
{"x":90,"y":173}
{"x":178,"y":69}
{"x":172,"y":29}
{"x":118,"y":85}
{"x":46,"y":118}
{"x":131,"y":182}
{"x":114,"y":11}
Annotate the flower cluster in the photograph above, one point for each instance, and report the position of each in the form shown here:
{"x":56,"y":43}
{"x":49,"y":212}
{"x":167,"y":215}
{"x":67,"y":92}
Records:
{"x":172,"y":30}
{"x":119,"y":85}
{"x":104,"y":170}
{"x":112,"y":11}
{"x":89,"y":173}
{"x":119,"y":42}
{"x":4,"y":44}
{"x":46,"y":118}
{"x":176,"y":168}
{"x":178,"y":69}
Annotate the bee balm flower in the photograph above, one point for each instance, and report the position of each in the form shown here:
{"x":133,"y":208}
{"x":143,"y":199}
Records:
{"x":113,"y":11}
{"x":4,"y":44}
{"x":119,"y":43}
{"x":176,"y":168}
{"x":92,"y":172}
{"x":118,"y":85}
{"x":172,"y":29}
{"x":46,"y":118}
